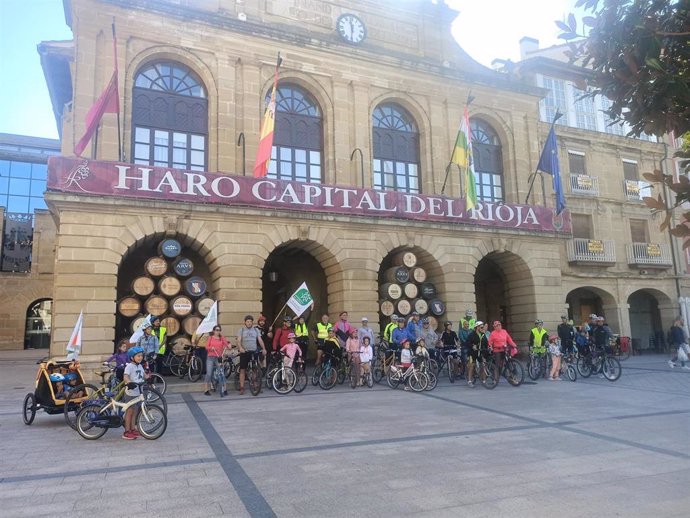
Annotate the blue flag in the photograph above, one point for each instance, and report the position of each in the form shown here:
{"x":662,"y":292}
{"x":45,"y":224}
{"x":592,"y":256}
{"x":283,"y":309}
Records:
{"x":548,"y":162}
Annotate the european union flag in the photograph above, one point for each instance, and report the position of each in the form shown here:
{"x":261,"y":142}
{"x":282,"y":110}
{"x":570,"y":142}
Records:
{"x":548,"y":162}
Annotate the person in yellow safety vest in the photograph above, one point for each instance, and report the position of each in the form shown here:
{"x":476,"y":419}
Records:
{"x":302,"y":335}
{"x":469,"y":318}
{"x":320,"y":332}
{"x":538,"y":337}
{"x":388,"y":330}
{"x":159,"y":332}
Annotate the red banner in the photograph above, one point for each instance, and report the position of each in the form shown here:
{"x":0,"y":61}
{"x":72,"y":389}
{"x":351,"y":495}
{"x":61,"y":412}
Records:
{"x":159,"y":183}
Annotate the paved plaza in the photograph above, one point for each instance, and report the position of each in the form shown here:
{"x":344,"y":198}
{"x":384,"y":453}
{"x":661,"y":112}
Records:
{"x":590,"y":448}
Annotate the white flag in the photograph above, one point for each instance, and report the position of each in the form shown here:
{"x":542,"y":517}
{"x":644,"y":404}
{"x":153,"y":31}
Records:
{"x":211,"y":320}
{"x":301,"y":300}
{"x":139,"y":331}
{"x":74,"y":344}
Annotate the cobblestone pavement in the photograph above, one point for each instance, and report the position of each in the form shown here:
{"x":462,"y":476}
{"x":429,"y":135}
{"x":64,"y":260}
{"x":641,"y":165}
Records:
{"x":543,"y":449}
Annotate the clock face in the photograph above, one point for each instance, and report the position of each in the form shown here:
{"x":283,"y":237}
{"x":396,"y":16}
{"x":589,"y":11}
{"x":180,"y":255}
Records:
{"x":351,"y":28}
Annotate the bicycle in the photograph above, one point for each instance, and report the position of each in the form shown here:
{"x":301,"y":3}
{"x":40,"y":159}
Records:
{"x":154,"y":379}
{"x":218,"y":378}
{"x":94,"y":418}
{"x":284,"y":379}
{"x":423,"y":362}
{"x":301,"y":373}
{"x":253,"y":374}
{"x":598,"y":361}
{"x":620,"y":347}
{"x":568,"y":361}
{"x":190,"y":365}
{"x":382,"y":361}
{"x":539,"y":363}
{"x":512,"y":370}
{"x":329,"y":373}
{"x":410,"y":376}
{"x":484,"y":372}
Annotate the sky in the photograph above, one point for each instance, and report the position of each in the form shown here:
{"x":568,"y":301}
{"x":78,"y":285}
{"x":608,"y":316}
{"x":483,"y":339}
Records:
{"x":485,"y":29}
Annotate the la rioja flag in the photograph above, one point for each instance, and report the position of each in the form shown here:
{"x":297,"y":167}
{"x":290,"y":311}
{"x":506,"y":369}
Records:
{"x":74,"y":344}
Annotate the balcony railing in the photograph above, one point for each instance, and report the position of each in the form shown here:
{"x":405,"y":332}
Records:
{"x":636,"y":190}
{"x":591,"y":251}
{"x":649,"y":255}
{"x":584,"y":185}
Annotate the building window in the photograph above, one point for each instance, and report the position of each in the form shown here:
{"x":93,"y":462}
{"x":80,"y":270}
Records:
{"x":488,"y":161}
{"x":585,"y":114}
{"x":396,"y":149}
{"x":555,"y":100}
{"x":609,"y":126}
{"x":22,"y":185}
{"x":630,"y":171}
{"x":576,"y":163}
{"x":298,"y":138}
{"x":639,"y":231}
{"x":582,"y":226}
{"x":169,"y":117}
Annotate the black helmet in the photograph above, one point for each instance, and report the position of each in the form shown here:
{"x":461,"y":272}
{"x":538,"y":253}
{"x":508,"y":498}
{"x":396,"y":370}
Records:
{"x":248,"y":317}
{"x":447,"y":323}
{"x":287,"y":318}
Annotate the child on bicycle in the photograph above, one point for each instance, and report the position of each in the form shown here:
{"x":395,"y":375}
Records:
{"x":554,"y":347}
{"x":352,"y":348}
{"x":134,"y":375}
{"x":215,"y":345}
{"x":120,"y":358}
{"x":331,"y":348}
{"x":366,"y":353}
{"x":290,"y":350}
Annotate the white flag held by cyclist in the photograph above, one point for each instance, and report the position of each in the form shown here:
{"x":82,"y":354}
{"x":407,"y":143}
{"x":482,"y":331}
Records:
{"x":301,"y":300}
{"x":211,"y":320}
{"x":74,"y":344}
{"x":139,"y":332}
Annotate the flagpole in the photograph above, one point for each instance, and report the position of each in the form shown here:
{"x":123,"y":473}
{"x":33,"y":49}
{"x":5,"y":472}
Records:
{"x":119,"y":127}
{"x":278,"y":316}
{"x":470,"y":98}
{"x":533,"y":176}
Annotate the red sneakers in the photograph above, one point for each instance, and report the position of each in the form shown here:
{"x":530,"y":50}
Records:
{"x":128,"y":436}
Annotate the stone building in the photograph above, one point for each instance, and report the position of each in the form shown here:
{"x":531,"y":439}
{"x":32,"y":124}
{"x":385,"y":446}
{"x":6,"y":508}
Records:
{"x":370,"y":98}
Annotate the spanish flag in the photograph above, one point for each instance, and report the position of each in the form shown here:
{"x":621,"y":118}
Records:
{"x":263,"y":154}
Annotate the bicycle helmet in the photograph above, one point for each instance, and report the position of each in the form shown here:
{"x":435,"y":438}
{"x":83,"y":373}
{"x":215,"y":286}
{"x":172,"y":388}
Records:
{"x":70,"y":376}
{"x":248,"y":317}
{"x":57,"y":377}
{"x":292,"y":335}
{"x":564,"y":317}
{"x":478,"y":323}
{"x":394,"y":318}
{"x":469,"y":313}
{"x":425,"y":320}
{"x":287,"y":318}
{"x":146,"y":325}
{"x":134,"y":351}
{"x":538,"y":322}
{"x":447,"y":323}
{"x":553,"y":338}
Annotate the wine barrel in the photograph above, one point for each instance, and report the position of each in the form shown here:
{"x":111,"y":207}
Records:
{"x":156,"y":305}
{"x":420,"y":306}
{"x":203,"y":305}
{"x":179,"y":344}
{"x":190,"y":324}
{"x":136,"y":323}
{"x":428,"y":290}
{"x":433,"y":323}
{"x":390,"y":290}
{"x":398,"y":274}
{"x":169,"y":286}
{"x":410,"y":290}
{"x":129,"y":306}
{"x":172,"y":325}
{"x":437,"y":307}
{"x":418,"y":274}
{"x":405,"y":258}
{"x":181,"y":306}
{"x":156,"y":266}
{"x":143,"y":286}
{"x":170,"y":248}
{"x":387,"y":308}
{"x":404,"y":307}
{"x":195,"y":286}
{"x":183,"y":267}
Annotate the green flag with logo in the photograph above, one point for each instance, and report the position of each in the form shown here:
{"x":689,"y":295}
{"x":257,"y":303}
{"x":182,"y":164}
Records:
{"x":301,"y":300}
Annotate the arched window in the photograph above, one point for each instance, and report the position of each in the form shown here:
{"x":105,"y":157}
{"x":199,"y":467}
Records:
{"x":298,"y":136}
{"x":488,"y":161}
{"x":169,"y":117}
{"x":396,"y":149}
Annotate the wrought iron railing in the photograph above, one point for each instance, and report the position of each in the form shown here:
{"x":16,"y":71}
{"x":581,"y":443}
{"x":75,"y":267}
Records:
{"x":591,"y":251}
{"x":584,"y":185}
{"x":17,"y":242}
{"x":636,"y":190}
{"x":649,"y":254}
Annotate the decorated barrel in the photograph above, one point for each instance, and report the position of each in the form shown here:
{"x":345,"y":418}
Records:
{"x":183,"y":266}
{"x":404,"y":307}
{"x":437,"y":307}
{"x":420,"y":306}
{"x":170,"y":248}
{"x":136,"y":322}
{"x":143,"y":286}
{"x":181,"y":306}
{"x":405,"y":258}
{"x":179,"y":343}
{"x":169,"y":286}
{"x":129,"y":306}
{"x":156,"y":266}
{"x":398,"y":274}
{"x":156,"y":305}
{"x":195,"y":286}
{"x":417,"y":274}
{"x":390,"y":290}
{"x":203,"y":305}
{"x":190,"y":324}
{"x":171,"y":324}
{"x":410,"y":290}
{"x":387,"y":308}
{"x":428,"y":290}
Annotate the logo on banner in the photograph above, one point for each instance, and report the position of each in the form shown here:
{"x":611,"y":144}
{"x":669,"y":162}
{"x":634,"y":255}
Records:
{"x":76,"y":175}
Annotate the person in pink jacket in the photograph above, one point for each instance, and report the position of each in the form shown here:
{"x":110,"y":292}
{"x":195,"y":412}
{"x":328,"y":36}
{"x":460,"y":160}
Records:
{"x":500,"y":344}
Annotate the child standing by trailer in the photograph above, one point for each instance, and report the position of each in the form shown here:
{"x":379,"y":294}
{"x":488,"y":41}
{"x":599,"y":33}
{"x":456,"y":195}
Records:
{"x":556,"y":355}
{"x":134,"y":376}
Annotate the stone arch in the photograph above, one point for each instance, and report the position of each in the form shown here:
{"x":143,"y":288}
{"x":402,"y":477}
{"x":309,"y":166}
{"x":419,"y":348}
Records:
{"x":586,"y":300}
{"x":651,"y":312}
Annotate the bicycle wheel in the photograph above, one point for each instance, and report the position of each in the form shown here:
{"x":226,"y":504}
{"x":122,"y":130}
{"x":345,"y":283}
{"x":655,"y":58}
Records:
{"x":377,"y":371}
{"x":158,"y":382}
{"x":254,"y":380}
{"x":433,"y":366}
{"x":284,"y":380}
{"x":72,"y":407}
{"x":85,"y":422}
{"x":611,"y":368}
{"x":328,"y":378}
{"x":490,"y":381}
{"x":584,"y":366}
{"x":514,"y":372}
{"x":175,"y":364}
{"x":151,"y":422}
{"x":301,"y":381}
{"x":228,"y":368}
{"x":353,"y":380}
{"x":269,"y":377}
{"x":433,"y":380}
{"x":154,"y":397}
{"x":195,"y":369}
{"x":534,"y":368}
{"x":393,"y":378}
{"x":572,"y":372}
{"x":237,"y":380}
{"x":368,"y":379}
{"x":343,"y":372}
{"x":418,"y":381}
{"x":452,"y":374}
{"x":316,"y":374}
{"x":29,"y":408}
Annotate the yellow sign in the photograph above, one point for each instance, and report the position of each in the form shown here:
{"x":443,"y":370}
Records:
{"x":653,"y":250}
{"x":584,"y":182}
{"x":595,"y":246}
{"x":632,"y":187}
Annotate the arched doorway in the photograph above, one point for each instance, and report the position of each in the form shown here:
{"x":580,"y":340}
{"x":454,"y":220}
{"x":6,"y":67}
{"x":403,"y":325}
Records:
{"x":586,"y":301}
{"x":411,"y":279}
{"x":38,"y":323}
{"x":646,"y":330}
{"x":286,"y":268}
{"x":504,"y":290}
